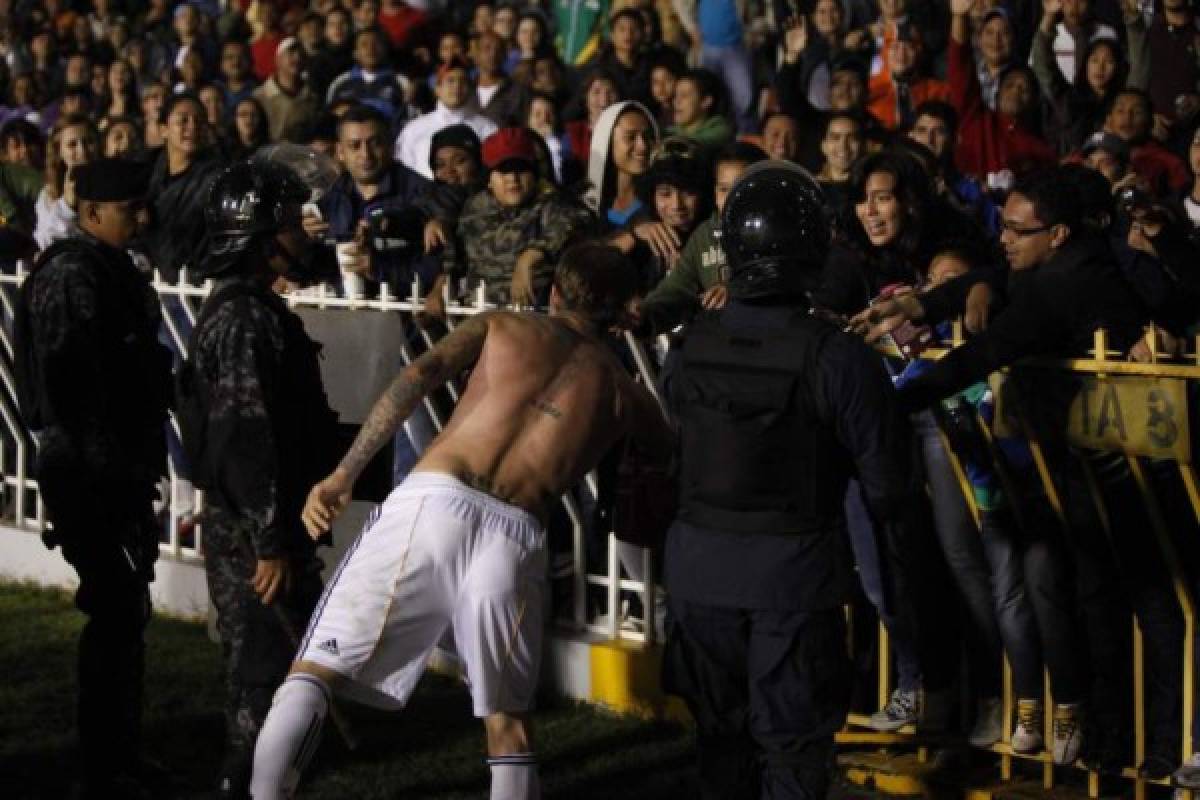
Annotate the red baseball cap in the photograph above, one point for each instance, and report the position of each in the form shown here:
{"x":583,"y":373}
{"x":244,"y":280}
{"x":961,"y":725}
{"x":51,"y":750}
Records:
{"x":509,"y":144}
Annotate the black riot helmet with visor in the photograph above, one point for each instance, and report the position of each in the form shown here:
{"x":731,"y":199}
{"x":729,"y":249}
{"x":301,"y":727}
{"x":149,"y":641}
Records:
{"x":251,"y":202}
{"x":774,"y":232}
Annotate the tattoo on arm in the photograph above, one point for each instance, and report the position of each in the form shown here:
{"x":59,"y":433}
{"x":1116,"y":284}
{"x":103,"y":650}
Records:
{"x":451,"y":356}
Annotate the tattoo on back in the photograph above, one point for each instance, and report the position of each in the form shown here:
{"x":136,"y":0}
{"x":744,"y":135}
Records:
{"x":546,"y":408}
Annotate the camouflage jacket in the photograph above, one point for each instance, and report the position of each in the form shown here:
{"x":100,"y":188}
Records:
{"x":489,"y":238}
{"x":270,"y":434}
{"x":103,"y":377}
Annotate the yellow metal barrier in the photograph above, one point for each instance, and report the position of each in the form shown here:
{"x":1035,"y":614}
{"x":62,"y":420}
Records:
{"x":1138,"y":410}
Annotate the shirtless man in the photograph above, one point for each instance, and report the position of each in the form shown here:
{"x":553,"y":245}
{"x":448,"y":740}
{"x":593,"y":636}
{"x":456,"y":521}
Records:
{"x":461,"y":542}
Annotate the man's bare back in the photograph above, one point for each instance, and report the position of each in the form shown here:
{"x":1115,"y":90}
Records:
{"x":543,"y":404}
{"x":545,"y":400}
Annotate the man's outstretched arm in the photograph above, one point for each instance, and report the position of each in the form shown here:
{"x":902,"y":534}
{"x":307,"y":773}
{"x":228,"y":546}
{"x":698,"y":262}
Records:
{"x":453,"y":354}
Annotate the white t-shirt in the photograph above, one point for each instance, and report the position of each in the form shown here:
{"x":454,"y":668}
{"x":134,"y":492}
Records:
{"x":486,"y":93}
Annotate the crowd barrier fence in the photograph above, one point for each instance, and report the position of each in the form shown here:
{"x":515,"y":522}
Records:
{"x":1141,"y":412}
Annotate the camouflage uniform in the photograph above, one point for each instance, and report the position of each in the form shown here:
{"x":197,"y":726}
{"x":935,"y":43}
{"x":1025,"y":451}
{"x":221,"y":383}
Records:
{"x":95,"y":381}
{"x":269,"y":436}
{"x":490,"y":237}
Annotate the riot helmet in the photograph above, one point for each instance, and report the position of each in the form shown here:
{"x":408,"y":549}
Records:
{"x":774,"y":232}
{"x":251,"y":201}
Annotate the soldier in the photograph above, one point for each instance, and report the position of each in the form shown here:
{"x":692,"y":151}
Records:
{"x":94,"y":385}
{"x":756,"y":564}
{"x":258,"y":432}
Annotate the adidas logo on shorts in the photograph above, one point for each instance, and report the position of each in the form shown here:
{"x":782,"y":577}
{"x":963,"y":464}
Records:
{"x":329,"y":646}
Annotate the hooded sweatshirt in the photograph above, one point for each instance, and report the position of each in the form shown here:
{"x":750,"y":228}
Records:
{"x":598,"y":196}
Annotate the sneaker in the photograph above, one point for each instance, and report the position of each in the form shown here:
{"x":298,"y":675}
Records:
{"x":1188,"y":776}
{"x":989,"y":722}
{"x":1027,"y":736}
{"x":902,"y":709}
{"x":1068,"y":732}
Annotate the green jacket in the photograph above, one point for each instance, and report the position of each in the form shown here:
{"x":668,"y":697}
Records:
{"x":580,"y":25}
{"x":711,"y":134}
{"x":701,"y":266}
{"x":19,"y":189}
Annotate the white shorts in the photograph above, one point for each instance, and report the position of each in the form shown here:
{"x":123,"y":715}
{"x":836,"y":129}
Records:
{"x":437,"y":554}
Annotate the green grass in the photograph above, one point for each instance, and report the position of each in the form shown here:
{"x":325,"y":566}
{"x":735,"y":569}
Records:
{"x":434,"y":749}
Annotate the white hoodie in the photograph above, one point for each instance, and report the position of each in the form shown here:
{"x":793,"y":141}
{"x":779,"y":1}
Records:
{"x":601,"y":152}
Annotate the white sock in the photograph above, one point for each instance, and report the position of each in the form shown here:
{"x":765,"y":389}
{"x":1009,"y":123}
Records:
{"x":289,"y":736}
{"x":515,"y":777}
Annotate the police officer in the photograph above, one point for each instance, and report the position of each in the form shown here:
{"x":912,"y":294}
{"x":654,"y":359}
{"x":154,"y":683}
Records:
{"x":776,"y":407}
{"x":258,"y":432}
{"x":94,"y":385}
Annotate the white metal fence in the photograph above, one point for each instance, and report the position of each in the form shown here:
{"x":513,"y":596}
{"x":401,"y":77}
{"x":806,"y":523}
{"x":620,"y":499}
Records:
{"x":601,"y":594}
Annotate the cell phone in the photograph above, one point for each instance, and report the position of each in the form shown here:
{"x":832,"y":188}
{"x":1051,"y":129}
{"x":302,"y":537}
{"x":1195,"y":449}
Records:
{"x":911,"y":340}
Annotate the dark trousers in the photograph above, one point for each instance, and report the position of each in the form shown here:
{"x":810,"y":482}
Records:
{"x":257,"y":647}
{"x":768,"y":690}
{"x":116,"y":599}
{"x":1130,"y":559}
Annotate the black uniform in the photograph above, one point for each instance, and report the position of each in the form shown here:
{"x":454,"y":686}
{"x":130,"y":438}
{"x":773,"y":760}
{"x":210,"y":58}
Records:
{"x":258,"y":433}
{"x":96,"y":382}
{"x":775,"y":409}
{"x":269,"y":436}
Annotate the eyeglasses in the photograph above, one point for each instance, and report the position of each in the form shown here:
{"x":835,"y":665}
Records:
{"x":1022,"y":232}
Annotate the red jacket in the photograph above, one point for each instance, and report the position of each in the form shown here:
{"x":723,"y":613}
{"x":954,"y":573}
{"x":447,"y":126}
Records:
{"x":1161,"y":168}
{"x":401,"y":25}
{"x":262,"y":54}
{"x":988,"y":141}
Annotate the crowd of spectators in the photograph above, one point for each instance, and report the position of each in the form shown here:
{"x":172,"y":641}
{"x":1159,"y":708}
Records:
{"x":505,"y":129}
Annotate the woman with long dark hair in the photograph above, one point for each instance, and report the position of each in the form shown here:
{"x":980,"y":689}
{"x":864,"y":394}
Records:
{"x":246,"y":130}
{"x":121,"y":92}
{"x":891,"y":226}
{"x":531,"y":41}
{"x":1077,"y":109}
{"x":598,"y":91}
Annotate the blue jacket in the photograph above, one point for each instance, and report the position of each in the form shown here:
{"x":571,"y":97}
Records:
{"x":343,"y":206}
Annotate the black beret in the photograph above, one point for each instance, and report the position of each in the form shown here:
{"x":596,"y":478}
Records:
{"x":111,"y":180}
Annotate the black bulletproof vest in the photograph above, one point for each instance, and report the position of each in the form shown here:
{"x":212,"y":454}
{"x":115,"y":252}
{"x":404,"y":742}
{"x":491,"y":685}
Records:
{"x":757,"y":457}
